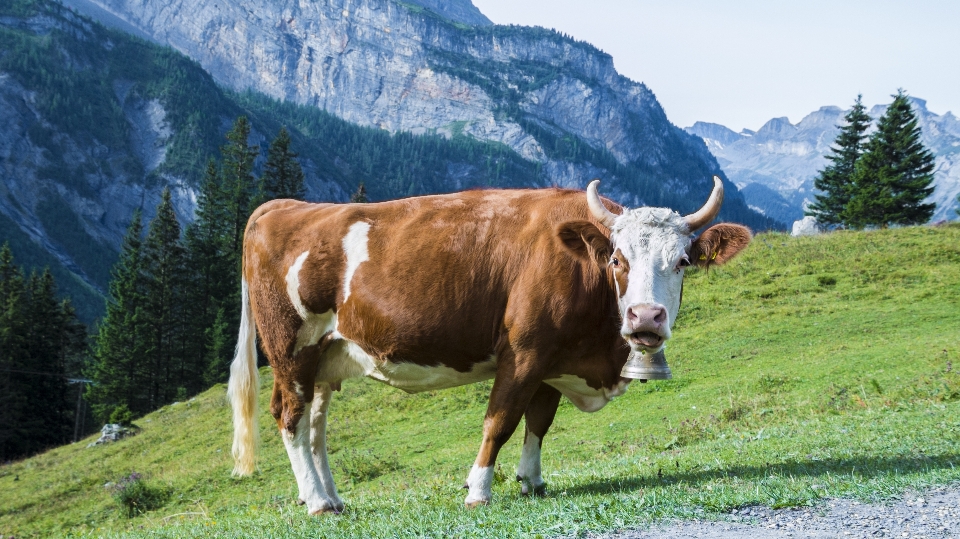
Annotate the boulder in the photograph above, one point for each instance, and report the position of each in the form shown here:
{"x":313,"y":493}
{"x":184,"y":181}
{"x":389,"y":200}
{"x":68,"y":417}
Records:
{"x":807,"y":226}
{"x":111,"y":432}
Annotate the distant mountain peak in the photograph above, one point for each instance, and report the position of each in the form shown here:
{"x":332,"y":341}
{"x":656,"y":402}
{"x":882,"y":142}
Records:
{"x":784,"y":158}
{"x":456,"y":10}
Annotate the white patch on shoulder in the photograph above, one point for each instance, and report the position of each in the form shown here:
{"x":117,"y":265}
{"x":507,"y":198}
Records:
{"x":584,"y":397}
{"x":355,"y":249}
{"x":293,"y":285}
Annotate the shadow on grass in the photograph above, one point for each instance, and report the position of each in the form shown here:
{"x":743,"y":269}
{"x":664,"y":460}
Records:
{"x":864,"y":467}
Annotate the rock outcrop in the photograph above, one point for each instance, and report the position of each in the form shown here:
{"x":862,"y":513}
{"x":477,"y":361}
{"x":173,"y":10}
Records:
{"x":439,"y":67}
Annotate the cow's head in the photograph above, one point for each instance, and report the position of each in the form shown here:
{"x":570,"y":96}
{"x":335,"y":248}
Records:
{"x":645,"y":256}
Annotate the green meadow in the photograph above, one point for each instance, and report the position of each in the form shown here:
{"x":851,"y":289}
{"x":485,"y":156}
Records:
{"x":807,"y":368}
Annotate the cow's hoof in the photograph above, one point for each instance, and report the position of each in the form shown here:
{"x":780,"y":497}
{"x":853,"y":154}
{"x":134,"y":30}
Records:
{"x":328,"y":510}
{"x":528,"y":490}
{"x":475,"y":504}
{"x":537,"y":491}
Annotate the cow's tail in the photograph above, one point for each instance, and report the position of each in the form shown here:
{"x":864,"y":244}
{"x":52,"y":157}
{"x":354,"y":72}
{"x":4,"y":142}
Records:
{"x":243,"y":390}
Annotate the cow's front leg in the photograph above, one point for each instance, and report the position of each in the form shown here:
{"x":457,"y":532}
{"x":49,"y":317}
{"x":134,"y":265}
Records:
{"x":539,"y":416}
{"x":511,"y":393}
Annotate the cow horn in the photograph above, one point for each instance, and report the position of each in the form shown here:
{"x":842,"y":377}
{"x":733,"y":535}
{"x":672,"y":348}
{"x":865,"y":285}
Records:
{"x":599,"y":211}
{"x":704,"y":215}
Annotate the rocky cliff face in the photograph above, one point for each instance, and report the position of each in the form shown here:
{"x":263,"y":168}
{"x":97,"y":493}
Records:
{"x":776,"y":165}
{"x":433,"y":67}
{"x":96,"y":124}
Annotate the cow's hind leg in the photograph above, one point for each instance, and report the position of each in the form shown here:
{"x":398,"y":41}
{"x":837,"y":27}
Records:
{"x":512,"y":390}
{"x":539,"y":416}
{"x":318,"y":442}
{"x":293,"y":400}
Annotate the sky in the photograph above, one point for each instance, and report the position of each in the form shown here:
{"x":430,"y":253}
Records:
{"x":740,"y":63}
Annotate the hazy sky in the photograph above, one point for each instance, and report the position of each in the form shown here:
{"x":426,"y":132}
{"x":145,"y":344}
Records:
{"x":741,"y":62}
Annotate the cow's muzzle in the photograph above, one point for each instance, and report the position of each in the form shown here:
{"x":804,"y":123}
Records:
{"x":645,"y":339}
{"x":645,"y":327}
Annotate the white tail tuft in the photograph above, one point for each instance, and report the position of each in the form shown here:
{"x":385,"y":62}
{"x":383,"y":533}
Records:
{"x":243,"y":390}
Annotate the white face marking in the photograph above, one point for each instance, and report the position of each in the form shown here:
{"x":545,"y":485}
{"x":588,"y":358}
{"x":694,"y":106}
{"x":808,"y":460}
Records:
{"x":479,"y":482}
{"x":293,"y":285}
{"x":529,"y":468}
{"x":584,"y":397}
{"x":355,"y":249}
{"x":653,"y":240}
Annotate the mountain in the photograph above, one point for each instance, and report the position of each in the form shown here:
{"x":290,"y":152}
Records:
{"x":441,"y":67}
{"x":775,"y":166}
{"x":96,"y":120}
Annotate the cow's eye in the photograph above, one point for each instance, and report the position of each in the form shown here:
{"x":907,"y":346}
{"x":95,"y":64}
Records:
{"x":684,"y":262}
{"x":615,"y":262}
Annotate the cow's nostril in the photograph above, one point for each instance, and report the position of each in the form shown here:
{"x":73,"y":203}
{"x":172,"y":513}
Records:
{"x":631,"y":315}
{"x":661,"y":316}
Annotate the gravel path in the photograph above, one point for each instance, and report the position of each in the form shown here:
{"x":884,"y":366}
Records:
{"x":934,"y":514}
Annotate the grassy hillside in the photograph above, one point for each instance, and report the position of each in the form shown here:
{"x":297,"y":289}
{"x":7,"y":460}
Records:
{"x":807,"y":368}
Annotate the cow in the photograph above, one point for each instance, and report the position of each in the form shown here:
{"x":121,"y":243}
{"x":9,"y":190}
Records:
{"x":545,"y":291}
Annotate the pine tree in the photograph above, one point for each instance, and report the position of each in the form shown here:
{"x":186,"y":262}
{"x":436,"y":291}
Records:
{"x":212,"y":278}
{"x":895,"y":173}
{"x":13,"y":343}
{"x":282,"y":175}
{"x":49,"y":422}
{"x":239,"y":183}
{"x":219,"y":340}
{"x":118,"y":370}
{"x":40,"y":338}
{"x":163,"y":257}
{"x":360,"y":195}
{"x":834,"y":181}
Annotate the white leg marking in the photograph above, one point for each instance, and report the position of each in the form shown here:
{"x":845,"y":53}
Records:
{"x":355,"y":248}
{"x":479,"y":481}
{"x":318,"y":442}
{"x":293,"y":285}
{"x":301,"y":460}
{"x":529,"y":468}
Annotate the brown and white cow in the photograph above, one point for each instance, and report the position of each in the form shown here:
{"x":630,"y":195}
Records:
{"x":540,"y":290}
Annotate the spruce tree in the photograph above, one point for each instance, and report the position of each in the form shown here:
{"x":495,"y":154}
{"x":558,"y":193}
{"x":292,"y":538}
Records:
{"x":163,"y":257}
{"x":895,"y":173}
{"x":213,"y":287}
{"x":50,"y":420}
{"x":282,"y":175}
{"x":834,"y":181}
{"x":119,"y":370}
{"x":239,"y":183}
{"x":14,"y":401}
{"x":40,"y":338}
{"x":360,"y":195}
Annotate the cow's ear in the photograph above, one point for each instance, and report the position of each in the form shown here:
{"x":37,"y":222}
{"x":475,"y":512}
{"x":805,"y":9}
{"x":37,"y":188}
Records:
{"x":718,"y":244}
{"x":584,"y":240}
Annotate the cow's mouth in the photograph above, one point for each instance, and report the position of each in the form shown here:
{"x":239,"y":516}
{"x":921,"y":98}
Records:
{"x":646,"y":339}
